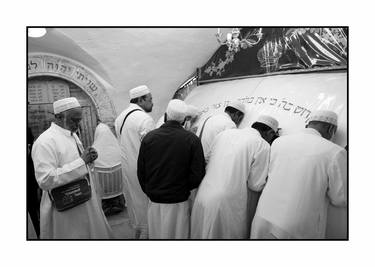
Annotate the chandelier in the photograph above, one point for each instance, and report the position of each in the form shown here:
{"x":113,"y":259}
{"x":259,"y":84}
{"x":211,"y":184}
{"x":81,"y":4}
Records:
{"x":235,"y":41}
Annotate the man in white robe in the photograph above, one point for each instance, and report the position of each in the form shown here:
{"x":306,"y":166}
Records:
{"x":238,"y":162}
{"x":57,"y":161}
{"x":130,"y":134}
{"x":161,"y":120}
{"x":192,"y":116}
{"x":213,"y":125}
{"x":306,"y":172}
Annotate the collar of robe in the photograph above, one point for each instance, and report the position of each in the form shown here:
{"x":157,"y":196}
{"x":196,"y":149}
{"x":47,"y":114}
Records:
{"x":312,"y":131}
{"x":134,"y":106}
{"x":255,"y":131}
{"x":61,"y":130}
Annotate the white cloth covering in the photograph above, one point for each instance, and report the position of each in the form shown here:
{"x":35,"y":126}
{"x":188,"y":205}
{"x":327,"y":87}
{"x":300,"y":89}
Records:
{"x":109,"y":154}
{"x":306,"y":172}
{"x":57,"y":162}
{"x":214,"y":125}
{"x":239,"y":161}
{"x":169,"y":221}
{"x":107,"y":146}
{"x":137,"y":125}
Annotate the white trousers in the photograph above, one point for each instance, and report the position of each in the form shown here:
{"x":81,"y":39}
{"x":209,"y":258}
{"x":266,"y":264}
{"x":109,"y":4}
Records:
{"x":168,"y":221}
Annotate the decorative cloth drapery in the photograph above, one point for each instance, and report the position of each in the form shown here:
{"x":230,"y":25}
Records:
{"x":280,"y":49}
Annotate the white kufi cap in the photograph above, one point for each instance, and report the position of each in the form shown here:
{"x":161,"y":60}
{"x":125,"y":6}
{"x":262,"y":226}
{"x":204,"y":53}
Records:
{"x":238,"y":105}
{"x":176,"y":110}
{"x":192,"y":111}
{"x":139,"y":91}
{"x":65,"y":104}
{"x":269,"y":121}
{"x":324,"y":116}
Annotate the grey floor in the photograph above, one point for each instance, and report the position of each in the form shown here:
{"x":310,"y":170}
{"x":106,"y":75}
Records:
{"x":120,"y":226}
{"x":119,"y":223}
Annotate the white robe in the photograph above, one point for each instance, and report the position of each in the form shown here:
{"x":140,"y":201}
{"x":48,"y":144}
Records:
{"x":169,"y":221}
{"x":239,"y":160}
{"x":137,"y":125}
{"x":306,"y":172}
{"x":160,"y":122}
{"x":214,"y":125}
{"x":57,"y":162}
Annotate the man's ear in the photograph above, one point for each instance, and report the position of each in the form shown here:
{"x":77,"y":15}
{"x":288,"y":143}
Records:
{"x":270,"y":133}
{"x":332,"y":130}
{"x":239,"y":116}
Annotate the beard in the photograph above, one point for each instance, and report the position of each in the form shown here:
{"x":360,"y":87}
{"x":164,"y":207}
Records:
{"x":148,"y":110}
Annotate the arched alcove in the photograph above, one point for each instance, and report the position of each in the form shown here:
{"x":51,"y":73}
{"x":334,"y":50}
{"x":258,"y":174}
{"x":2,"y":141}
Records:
{"x":52,"y":77}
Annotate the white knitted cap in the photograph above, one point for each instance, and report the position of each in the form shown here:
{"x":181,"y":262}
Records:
{"x":139,"y":91}
{"x":324,"y":116}
{"x":65,"y":104}
{"x":269,"y":121}
{"x":238,"y":105}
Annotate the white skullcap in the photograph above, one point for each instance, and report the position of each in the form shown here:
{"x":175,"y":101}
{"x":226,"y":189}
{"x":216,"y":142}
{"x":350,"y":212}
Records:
{"x":65,"y":104}
{"x":176,"y":110}
{"x":192,"y":111}
{"x":238,"y":105}
{"x":324,"y":116}
{"x":269,"y":121}
{"x":139,"y":91}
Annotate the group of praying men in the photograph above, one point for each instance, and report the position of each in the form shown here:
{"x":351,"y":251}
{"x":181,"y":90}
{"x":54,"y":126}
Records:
{"x":188,"y":183}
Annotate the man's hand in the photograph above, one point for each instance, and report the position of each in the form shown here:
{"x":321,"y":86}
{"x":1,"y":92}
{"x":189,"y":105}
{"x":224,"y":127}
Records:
{"x":89,"y":155}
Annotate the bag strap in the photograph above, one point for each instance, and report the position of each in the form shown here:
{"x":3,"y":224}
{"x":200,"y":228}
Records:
{"x":126,"y":118}
{"x":204,"y":124}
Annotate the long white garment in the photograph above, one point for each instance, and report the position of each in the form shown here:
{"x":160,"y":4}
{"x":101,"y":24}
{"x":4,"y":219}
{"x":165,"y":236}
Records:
{"x":57,"y":162}
{"x":107,"y":146}
{"x":137,"y":125}
{"x":306,"y":171}
{"x":31,"y":233}
{"x":214,"y":125}
{"x":168,"y":221}
{"x":239,"y":160}
{"x":160,"y":122}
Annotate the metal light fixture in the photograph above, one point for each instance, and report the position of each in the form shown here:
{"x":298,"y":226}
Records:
{"x":36,"y":32}
{"x":235,"y":42}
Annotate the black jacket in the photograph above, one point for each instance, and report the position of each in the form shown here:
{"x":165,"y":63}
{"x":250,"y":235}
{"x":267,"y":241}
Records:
{"x":170,"y":163}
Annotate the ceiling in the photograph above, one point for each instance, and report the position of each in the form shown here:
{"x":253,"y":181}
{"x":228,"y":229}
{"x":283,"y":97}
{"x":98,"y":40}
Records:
{"x":161,"y":58}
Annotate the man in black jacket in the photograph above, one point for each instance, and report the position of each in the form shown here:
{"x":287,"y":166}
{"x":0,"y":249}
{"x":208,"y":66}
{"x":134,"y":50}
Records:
{"x":170,"y":165}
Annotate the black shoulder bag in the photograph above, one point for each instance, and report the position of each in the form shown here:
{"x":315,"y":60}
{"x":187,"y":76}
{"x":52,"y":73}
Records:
{"x":71,"y":194}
